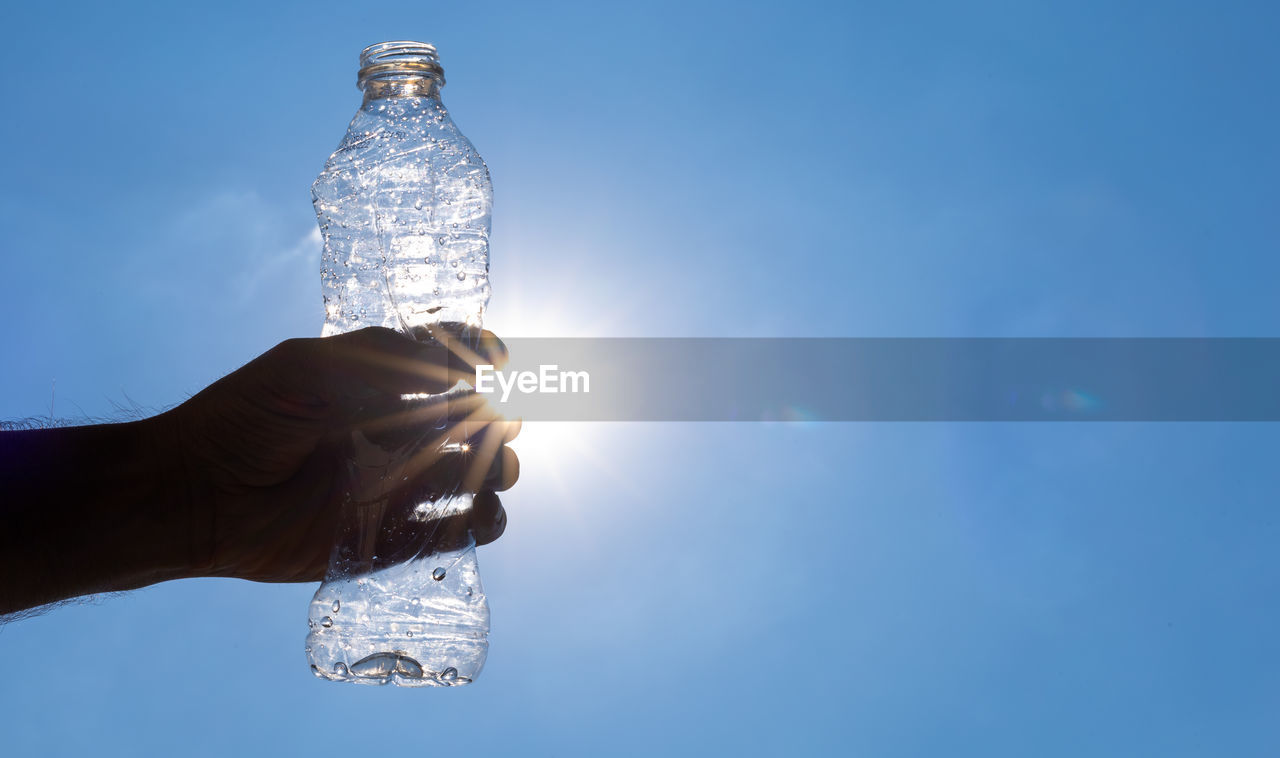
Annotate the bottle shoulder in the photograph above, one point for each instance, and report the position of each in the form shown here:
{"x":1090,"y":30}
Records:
{"x":403,"y":136}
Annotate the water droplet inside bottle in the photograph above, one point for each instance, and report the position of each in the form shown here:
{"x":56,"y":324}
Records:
{"x":336,"y":606}
{"x":374,"y":666}
{"x":438,"y":573}
{"x":340,"y":668}
{"x":449,"y":675}
{"x":418,"y":204}
{"x":326,"y":622}
{"x":461,"y":276}
{"x":408,"y":634}
{"x":408,"y":667}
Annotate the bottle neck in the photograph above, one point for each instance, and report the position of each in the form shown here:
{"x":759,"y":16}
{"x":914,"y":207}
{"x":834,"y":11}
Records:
{"x":399,"y":69}
{"x":413,"y":87}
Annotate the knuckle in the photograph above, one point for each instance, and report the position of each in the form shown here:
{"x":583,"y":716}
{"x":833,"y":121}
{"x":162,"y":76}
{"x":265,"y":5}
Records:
{"x":379,"y":334}
{"x":293,"y":347}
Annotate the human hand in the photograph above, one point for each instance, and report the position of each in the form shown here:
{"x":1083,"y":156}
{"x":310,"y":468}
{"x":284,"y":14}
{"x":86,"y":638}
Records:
{"x":269,"y":450}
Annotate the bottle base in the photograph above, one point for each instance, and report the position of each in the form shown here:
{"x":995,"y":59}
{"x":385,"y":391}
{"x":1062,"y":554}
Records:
{"x":391,"y":668}
{"x":420,"y":661}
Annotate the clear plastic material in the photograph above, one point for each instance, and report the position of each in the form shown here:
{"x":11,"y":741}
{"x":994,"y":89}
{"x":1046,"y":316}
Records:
{"x":404,"y":208}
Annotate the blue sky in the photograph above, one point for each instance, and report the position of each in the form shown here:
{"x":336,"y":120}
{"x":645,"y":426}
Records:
{"x":736,"y":169}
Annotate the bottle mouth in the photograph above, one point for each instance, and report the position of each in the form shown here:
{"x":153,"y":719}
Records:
{"x":398,"y":60}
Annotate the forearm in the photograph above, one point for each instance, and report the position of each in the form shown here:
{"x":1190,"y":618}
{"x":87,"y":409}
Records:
{"x":91,"y":509}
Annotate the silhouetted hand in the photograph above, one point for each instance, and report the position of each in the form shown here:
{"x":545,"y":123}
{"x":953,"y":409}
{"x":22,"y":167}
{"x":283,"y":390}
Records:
{"x":248,"y":478}
{"x":271,"y":450}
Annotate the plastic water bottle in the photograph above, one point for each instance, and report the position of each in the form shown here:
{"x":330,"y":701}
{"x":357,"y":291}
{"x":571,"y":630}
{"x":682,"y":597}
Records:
{"x":404,"y":207}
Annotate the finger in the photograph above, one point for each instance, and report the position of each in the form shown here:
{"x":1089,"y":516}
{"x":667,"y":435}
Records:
{"x":469,"y":349}
{"x":483,"y":523}
{"x":472,"y":423}
{"x":504,"y":471}
{"x":431,"y":427}
{"x":482,"y":446}
{"x":403,"y":540}
{"x":458,"y":470}
{"x":511,"y":429}
{"x":468,"y":345}
{"x":454,"y":414}
{"x":488,"y":519}
{"x":467,"y":455}
{"x":379,"y":360}
{"x":405,"y":533}
{"x":451,"y":533}
{"x":465,"y":347}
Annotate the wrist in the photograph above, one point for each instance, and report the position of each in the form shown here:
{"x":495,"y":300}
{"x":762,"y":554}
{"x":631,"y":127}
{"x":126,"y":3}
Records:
{"x":91,"y":509}
{"x":183,"y":494}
